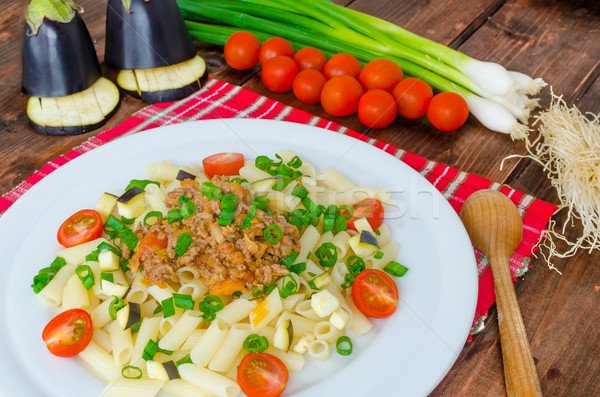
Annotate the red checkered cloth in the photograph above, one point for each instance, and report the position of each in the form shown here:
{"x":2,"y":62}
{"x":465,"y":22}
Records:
{"x":218,"y":99}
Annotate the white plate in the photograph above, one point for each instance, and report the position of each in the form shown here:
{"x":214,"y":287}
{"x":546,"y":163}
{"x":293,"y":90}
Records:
{"x":406,"y":354}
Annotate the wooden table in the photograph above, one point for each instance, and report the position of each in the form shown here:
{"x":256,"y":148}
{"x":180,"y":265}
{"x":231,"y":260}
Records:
{"x":556,"y":40}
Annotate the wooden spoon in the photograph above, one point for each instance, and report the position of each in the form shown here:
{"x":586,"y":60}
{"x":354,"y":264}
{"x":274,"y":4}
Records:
{"x":495,"y":228}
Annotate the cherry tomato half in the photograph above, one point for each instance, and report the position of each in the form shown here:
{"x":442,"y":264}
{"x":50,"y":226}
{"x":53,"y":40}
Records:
{"x":278,"y":73}
{"x":262,"y":375}
{"x":369,"y":208}
{"x":377,"y":109}
{"x":69,"y":333}
{"x":341,"y":64}
{"x":274,"y":47}
{"x":340,"y":95}
{"x":223,"y":164}
{"x":381,"y":74}
{"x":374,"y":293}
{"x":241,"y":50}
{"x":412,"y":97}
{"x":447,"y":111}
{"x":310,"y":58}
{"x":79,"y":228}
{"x":308,"y":85}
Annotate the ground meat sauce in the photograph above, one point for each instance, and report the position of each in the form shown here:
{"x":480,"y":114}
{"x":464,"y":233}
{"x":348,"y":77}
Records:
{"x":218,"y":252}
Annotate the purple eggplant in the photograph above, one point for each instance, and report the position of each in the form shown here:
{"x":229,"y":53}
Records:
{"x":148,"y":42}
{"x":61,"y":72}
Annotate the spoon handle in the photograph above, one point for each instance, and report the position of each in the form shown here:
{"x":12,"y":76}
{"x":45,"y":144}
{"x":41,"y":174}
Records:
{"x":520,"y":374}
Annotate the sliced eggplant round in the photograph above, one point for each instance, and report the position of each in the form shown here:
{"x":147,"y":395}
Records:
{"x":59,"y":59}
{"x":150,"y":34}
{"x":164,"y":84}
{"x":74,"y":114}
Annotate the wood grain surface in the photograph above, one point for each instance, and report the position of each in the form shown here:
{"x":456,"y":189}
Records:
{"x":557,"y":40}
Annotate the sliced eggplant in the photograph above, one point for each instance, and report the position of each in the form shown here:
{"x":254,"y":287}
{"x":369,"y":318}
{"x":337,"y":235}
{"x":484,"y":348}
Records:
{"x":322,"y":280}
{"x":110,"y":288}
{"x":184,"y":175}
{"x":108,"y":261}
{"x":368,"y":238}
{"x":284,"y":334}
{"x":364,"y":244}
{"x":132,"y":203}
{"x":129,"y":315}
{"x":105,"y":205}
{"x":264,"y":186}
{"x":162,"y":371}
{"x":146,"y":34}
{"x":164,"y":84}
{"x":76,"y":113}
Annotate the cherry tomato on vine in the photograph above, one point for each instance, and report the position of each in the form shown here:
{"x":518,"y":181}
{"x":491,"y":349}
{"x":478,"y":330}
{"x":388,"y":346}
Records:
{"x":447,"y":111}
{"x":340,"y":95}
{"x":262,"y":375}
{"x":375,"y":293}
{"x":308,"y":85}
{"x":412,"y":97}
{"x":79,"y":228}
{"x":278,"y":73}
{"x":223,"y":164}
{"x":369,"y":208}
{"x":68,"y":333}
{"x":341,"y":64}
{"x":381,"y":74}
{"x":310,"y":58}
{"x":241,"y":50}
{"x":377,"y":109}
{"x":273,"y":47}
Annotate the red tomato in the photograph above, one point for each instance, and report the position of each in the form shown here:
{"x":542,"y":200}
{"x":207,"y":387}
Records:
{"x":308,"y":85}
{"x":340,"y":95}
{"x":262,"y":375}
{"x":447,"y":111}
{"x":381,"y":74}
{"x":150,"y":242}
{"x":369,"y":208}
{"x":69,"y":333}
{"x":223,"y":164}
{"x":412,"y":97}
{"x":377,"y":109}
{"x":79,"y":228}
{"x":278,"y":73}
{"x":374,"y":293}
{"x":310,"y":58}
{"x":340,"y":64}
{"x":273,"y":47}
{"x":241,"y":50}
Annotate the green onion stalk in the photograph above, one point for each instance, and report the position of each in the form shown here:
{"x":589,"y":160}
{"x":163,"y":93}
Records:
{"x":496,"y":97}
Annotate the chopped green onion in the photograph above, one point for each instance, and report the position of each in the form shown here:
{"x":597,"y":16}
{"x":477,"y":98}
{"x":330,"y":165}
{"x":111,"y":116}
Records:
{"x":228,"y":205}
{"x":127,"y":221}
{"x":140,"y":183}
{"x":174,"y":215}
{"x":183,"y":301}
{"x":85,"y":274}
{"x":289,"y":260}
{"x":183,"y":243}
{"x":124,"y":265}
{"x":327,"y":254}
{"x":340,"y":224}
{"x":237,"y":180}
{"x":184,"y":360}
{"x":289,"y":286}
{"x":129,"y":238}
{"x":295,"y":162}
{"x":263,"y":163}
{"x":46,"y":274}
{"x":311,"y":207}
{"x":136,"y":327}
{"x":116,"y":305}
{"x":378,"y":255}
{"x":298,"y":268}
{"x":395,"y":269}
{"x":213,"y":303}
{"x":152,"y":348}
{"x":283,"y":170}
{"x":211,"y":191}
{"x":248,"y":220}
{"x":300,"y":191}
{"x":268,"y":233}
{"x":187,"y":206}
{"x":346,"y":211}
{"x":93,"y":256}
{"x":158,"y":309}
{"x":152,"y":215}
{"x":348,"y":281}
{"x":344,"y":345}
{"x":355,"y":265}
{"x":131,"y":372}
{"x":262,"y":203}
{"x":107,"y":276}
{"x":377,"y":232}
{"x":113,"y":223}
{"x":168,"y":307}
{"x":237,"y":294}
{"x":255,"y":343}
{"x":282,"y":183}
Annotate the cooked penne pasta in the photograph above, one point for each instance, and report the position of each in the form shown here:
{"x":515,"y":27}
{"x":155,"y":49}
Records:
{"x":209,"y":343}
{"x":229,"y":349}
{"x":208,"y":380}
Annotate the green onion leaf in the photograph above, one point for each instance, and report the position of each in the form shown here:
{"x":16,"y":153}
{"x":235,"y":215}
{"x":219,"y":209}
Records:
{"x":289,"y":260}
{"x":152,"y":348}
{"x":282,"y":183}
{"x":289,"y":286}
{"x":174,"y":215}
{"x":157,"y":215}
{"x":262,"y":203}
{"x":85,"y":274}
{"x":263,"y":163}
{"x":116,"y":305}
{"x":346,"y":211}
{"x":129,"y":238}
{"x":131,"y":372}
{"x":344,"y":345}
{"x":46,"y":274}
{"x":107,"y":276}
{"x":255,"y":343}
{"x":395,"y":269}
{"x":140,"y":183}
{"x":113,"y":223}
{"x":168,"y":307}
{"x":355,"y":265}
{"x":295,"y":162}
{"x":248,"y":220}
{"x":184,"y":360}
{"x":136,"y":327}
{"x":183,"y":301}
{"x":327,"y":254}
{"x":268,"y":233}
{"x":212,"y":303}
{"x":211,"y":191}
{"x":348,"y":281}
{"x":183,"y":243}
{"x":300,"y":191}
{"x":311,"y":206}
{"x":378,"y":255}
{"x":187,"y":206}
{"x":377,"y":232}
{"x":124,"y":265}
{"x":298,"y":268}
